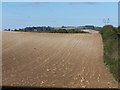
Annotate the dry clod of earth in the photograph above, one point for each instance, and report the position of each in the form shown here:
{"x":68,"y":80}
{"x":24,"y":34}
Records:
{"x":83,"y":86}
{"x":54,"y":60}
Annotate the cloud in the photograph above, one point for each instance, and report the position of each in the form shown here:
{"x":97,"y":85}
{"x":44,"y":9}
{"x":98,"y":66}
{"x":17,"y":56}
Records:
{"x":87,"y":3}
{"x":91,"y":3}
{"x":38,"y":3}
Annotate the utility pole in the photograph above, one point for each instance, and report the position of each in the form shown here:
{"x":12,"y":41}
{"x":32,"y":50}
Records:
{"x":106,"y":21}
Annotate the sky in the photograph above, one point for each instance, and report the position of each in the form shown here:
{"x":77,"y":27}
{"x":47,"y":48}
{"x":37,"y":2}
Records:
{"x":24,"y":14}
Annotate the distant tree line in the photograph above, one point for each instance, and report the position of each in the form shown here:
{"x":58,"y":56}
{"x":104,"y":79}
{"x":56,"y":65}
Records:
{"x":36,"y":29}
{"x":63,"y":29}
{"x":47,"y":29}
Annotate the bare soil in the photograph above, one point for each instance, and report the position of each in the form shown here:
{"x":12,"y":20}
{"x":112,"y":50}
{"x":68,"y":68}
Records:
{"x":54,"y":60}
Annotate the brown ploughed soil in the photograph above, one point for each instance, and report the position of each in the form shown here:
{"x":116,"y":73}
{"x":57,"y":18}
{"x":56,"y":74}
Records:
{"x":54,"y":60}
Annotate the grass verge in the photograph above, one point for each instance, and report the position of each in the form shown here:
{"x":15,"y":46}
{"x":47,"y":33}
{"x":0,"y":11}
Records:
{"x":111,"y":42}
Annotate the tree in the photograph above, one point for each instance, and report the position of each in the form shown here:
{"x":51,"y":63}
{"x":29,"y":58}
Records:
{"x":62,"y":31}
{"x":8,"y":29}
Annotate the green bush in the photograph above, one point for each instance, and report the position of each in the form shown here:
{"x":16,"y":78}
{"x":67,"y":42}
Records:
{"x":62,"y":31}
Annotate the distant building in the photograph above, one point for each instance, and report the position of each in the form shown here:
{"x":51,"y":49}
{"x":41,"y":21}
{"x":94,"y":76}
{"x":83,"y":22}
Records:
{"x":66,"y":28}
{"x":35,"y":30}
{"x":89,"y":27}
